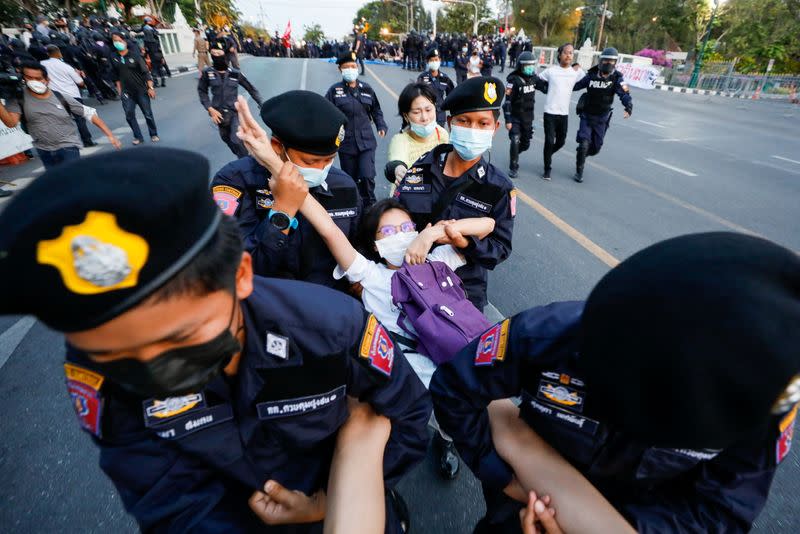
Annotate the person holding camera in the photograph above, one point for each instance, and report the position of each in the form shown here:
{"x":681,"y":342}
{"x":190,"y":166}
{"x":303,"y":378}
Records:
{"x":47,"y":116}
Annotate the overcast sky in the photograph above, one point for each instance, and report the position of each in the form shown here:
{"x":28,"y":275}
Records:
{"x":335,"y":16}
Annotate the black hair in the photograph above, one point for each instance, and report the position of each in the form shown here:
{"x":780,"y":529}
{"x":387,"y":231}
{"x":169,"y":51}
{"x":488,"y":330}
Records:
{"x":33,"y":65}
{"x":118,"y":34}
{"x":213,"y":269}
{"x":369,"y":225}
{"x":561,"y":49}
{"x":410,"y":92}
{"x":52,"y":49}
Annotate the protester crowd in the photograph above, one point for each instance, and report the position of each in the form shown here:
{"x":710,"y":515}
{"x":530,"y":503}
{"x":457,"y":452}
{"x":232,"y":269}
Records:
{"x":226,"y":367}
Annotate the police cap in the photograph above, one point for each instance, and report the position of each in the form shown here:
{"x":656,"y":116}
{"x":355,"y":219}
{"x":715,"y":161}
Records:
{"x":433,"y":52}
{"x":218,"y":44}
{"x":693,"y":342}
{"x":305,"y":121}
{"x":526,"y":58}
{"x":85,"y":242}
{"x":476,"y":94}
{"x":346,"y":57}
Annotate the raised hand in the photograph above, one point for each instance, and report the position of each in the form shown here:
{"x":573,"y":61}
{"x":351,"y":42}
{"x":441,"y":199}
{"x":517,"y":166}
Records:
{"x":255,"y":138}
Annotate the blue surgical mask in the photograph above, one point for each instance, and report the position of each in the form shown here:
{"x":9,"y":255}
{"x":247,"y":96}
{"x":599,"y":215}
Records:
{"x":527,"y":70}
{"x":470,"y":143}
{"x":423,"y":130}
{"x":350,"y":75}
{"x":313,"y":177}
{"x":434,"y":65}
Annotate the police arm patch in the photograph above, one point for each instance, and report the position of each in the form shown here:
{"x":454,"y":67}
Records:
{"x":786,"y":429}
{"x":377,"y":347}
{"x":84,"y":392}
{"x":492,"y":344}
{"x":512,"y":198}
{"x":227,"y":198}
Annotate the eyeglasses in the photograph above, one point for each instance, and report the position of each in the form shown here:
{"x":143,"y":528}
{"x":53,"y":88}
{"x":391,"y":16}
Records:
{"x":390,"y":229}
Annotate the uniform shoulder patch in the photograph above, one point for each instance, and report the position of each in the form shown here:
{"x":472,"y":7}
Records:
{"x":84,"y":386}
{"x":227,"y":198}
{"x":786,"y":433}
{"x":377,"y":347}
{"x":492,"y":344}
{"x":512,"y":197}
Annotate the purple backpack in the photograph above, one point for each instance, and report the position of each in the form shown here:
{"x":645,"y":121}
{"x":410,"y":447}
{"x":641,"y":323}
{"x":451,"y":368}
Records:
{"x":432,"y":299}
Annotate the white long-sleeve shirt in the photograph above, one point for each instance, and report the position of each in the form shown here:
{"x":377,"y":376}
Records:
{"x":561,"y":80}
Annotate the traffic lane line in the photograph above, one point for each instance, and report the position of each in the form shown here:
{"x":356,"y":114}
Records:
{"x":786,"y":159}
{"x":11,"y":338}
{"x":304,"y":75}
{"x":670,"y":167}
{"x":651,"y":123}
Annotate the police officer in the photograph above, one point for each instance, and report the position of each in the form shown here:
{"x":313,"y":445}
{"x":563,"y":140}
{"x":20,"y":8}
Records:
{"x":198,"y":381}
{"x":679,"y":427}
{"x":487,"y":61}
{"x":359,"y":45}
{"x":439,"y":82}
{"x":224,"y":82}
{"x":454,"y":181}
{"x":461,"y":64}
{"x":359,"y":103}
{"x":521,"y":87}
{"x":306,"y":130}
{"x":152,"y":44}
{"x":602,"y":82}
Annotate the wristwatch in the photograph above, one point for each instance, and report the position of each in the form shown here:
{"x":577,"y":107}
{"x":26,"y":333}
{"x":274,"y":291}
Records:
{"x":281,"y":220}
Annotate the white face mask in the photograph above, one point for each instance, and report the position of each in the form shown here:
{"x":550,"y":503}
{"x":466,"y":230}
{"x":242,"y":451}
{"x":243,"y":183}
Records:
{"x":349,"y":75}
{"x":434,"y":65}
{"x":393,"y":248}
{"x":39,"y":88}
{"x":470,"y":143}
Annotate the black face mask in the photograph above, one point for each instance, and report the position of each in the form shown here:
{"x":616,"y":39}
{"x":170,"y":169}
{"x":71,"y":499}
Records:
{"x":177,"y":371}
{"x":220,"y":62}
{"x":607,"y":67}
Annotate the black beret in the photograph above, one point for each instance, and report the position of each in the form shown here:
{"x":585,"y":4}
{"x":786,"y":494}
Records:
{"x":433,"y":52}
{"x":219,"y":43}
{"x":86,"y":241}
{"x":346,"y":57}
{"x":476,"y":94}
{"x":691,"y":342}
{"x":305,"y":121}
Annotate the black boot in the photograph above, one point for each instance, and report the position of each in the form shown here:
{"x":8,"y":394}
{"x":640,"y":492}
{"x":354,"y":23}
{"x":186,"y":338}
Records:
{"x":546,"y":174}
{"x":400,"y":508}
{"x":514,"y":157}
{"x":447,"y":457}
{"x":580,"y":160}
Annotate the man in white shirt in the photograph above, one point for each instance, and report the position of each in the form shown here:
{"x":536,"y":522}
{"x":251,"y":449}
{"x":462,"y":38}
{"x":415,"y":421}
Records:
{"x":561,"y":79}
{"x":67,"y":81}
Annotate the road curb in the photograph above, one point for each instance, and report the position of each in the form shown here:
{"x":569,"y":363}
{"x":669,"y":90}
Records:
{"x":708,"y":92}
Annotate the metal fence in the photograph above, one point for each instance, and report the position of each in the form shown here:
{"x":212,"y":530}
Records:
{"x":722,"y":76}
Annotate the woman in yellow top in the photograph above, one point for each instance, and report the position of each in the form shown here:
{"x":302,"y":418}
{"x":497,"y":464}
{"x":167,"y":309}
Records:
{"x":419,"y":133}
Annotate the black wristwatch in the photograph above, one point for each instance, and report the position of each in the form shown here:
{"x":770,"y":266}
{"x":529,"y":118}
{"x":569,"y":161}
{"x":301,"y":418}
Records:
{"x":281,"y":220}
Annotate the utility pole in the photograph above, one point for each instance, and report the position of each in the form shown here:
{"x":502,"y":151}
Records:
{"x":602,"y":24}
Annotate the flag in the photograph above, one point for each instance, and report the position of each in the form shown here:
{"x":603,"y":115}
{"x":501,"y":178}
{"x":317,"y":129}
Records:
{"x":287,"y":34}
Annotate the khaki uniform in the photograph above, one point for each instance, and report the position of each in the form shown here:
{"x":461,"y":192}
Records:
{"x":201,"y":49}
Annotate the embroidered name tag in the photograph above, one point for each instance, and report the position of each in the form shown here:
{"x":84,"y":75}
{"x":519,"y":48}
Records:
{"x":289,"y":407}
{"x":414,"y":188}
{"x":472,"y":203}
{"x":346,"y":213}
{"x":576,"y":421}
{"x":189,"y":424}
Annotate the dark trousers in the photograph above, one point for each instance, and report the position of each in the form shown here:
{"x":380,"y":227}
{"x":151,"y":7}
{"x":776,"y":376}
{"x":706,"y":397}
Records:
{"x":129,"y":102}
{"x":51,"y":158}
{"x":593,"y":130}
{"x":461,"y":75}
{"x":227,"y":131}
{"x":361,"y":168}
{"x":83,"y":129}
{"x":555,"y":135}
{"x":361,"y":63}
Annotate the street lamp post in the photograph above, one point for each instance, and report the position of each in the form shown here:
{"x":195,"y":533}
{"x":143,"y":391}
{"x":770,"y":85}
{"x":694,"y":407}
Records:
{"x":698,"y":63}
{"x":473,"y":4}
{"x":408,"y":8}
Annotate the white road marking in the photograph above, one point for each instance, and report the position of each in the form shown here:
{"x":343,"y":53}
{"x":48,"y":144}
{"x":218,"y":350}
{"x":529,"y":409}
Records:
{"x":651,"y":124}
{"x":91,"y":150}
{"x":121,"y":129}
{"x":11,"y":338}
{"x":304,"y":75}
{"x":787,"y":159}
{"x":670,"y":167}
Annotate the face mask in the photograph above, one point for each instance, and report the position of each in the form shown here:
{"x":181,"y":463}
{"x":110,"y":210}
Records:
{"x":349,"y":75}
{"x":527,"y":70}
{"x":607,"y":68}
{"x":39,"y":88}
{"x":313,"y":177}
{"x":120,"y":45}
{"x":393,"y":248}
{"x":434,"y":65}
{"x":464,"y":50}
{"x":220,"y":62}
{"x":470,"y":143}
{"x":423,"y":130}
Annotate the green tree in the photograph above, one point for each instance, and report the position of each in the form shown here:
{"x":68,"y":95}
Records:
{"x":548,"y":21}
{"x":384,"y":14}
{"x":313,"y":34}
{"x":460,"y":18}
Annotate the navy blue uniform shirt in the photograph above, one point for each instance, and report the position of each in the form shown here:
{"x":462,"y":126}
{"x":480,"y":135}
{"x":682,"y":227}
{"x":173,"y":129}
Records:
{"x":441,"y":85}
{"x":224,"y":88}
{"x":483,"y":191}
{"x":360,"y":105}
{"x":534,"y":355}
{"x":241,"y":189}
{"x":190,"y":463}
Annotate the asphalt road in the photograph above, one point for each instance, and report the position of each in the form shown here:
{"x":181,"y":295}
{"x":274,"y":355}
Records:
{"x":680,"y":164}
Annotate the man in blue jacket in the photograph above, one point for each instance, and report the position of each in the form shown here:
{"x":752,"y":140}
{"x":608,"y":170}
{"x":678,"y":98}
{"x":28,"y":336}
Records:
{"x":673,"y":390}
